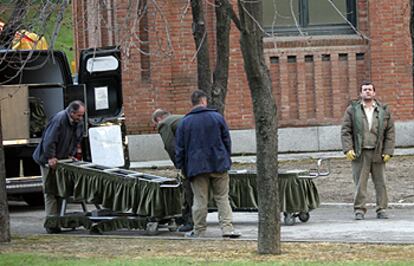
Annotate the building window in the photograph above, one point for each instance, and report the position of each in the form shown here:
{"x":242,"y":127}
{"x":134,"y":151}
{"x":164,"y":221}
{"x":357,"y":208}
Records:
{"x":309,"y":17}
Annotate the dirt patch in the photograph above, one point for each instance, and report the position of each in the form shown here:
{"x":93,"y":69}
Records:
{"x":205,"y":252}
{"x":339,"y":186}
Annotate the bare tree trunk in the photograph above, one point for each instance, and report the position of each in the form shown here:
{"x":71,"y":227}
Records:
{"x":221,"y":72}
{"x":14,"y":24}
{"x":201,"y":41}
{"x":265,"y":113}
{"x":216,"y":86}
{"x":4,"y":209}
{"x":412,"y":35}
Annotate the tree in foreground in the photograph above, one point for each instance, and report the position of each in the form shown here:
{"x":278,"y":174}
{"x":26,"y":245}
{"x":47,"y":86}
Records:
{"x":264,"y":107}
{"x":265,"y":114}
{"x":4,"y":208}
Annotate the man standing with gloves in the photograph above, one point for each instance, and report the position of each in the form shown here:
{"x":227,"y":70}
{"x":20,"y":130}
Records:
{"x":368,"y":140}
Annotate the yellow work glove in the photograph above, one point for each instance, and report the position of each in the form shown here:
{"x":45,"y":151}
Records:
{"x":350,"y":155}
{"x":386,"y":158}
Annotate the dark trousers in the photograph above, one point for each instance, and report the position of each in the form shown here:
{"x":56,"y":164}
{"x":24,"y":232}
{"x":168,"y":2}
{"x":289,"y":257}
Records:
{"x":187,"y":202}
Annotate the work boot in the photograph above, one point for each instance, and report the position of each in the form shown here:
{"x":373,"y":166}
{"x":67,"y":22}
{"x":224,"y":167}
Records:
{"x":359,"y":216}
{"x":195,"y":234}
{"x":382,"y":215}
{"x":185,"y":228}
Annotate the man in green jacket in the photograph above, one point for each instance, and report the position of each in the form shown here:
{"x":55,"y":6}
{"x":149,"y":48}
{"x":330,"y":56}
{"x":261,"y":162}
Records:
{"x":166,"y":125}
{"x":368,"y":140}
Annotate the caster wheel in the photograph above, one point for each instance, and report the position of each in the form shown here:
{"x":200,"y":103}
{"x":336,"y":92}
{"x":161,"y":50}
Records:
{"x":172,"y":226}
{"x":53,"y":230}
{"x":304,"y":216}
{"x":152,"y":228}
{"x":289,"y":219}
{"x":94,"y":231}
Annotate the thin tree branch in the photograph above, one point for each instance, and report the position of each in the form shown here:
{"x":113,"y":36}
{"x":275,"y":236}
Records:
{"x":295,"y":19}
{"x":363,"y":36}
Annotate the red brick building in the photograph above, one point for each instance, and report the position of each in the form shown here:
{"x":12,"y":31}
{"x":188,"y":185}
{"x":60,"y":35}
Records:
{"x":316,"y":59}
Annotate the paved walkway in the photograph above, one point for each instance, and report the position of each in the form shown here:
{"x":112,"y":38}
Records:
{"x":330,"y":222}
{"x":335,"y":223}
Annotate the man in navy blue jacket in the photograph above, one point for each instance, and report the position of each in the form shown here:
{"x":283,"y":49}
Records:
{"x":203,"y":150}
{"x":59,"y":141}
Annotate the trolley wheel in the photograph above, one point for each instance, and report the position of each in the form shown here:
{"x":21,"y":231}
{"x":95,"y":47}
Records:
{"x":152,"y":228}
{"x":94,"y":231}
{"x":53,"y":230}
{"x":289,"y":218}
{"x":304,"y":216}
{"x":172,"y":225}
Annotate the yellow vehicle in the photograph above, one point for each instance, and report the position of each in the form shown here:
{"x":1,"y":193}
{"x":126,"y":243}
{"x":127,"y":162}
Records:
{"x":25,"y":40}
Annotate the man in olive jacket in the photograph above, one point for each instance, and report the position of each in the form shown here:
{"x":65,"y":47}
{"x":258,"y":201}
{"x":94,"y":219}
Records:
{"x":368,"y":140}
{"x":167,"y":125}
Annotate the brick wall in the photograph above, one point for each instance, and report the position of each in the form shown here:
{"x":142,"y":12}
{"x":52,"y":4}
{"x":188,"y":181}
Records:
{"x":313,"y":85}
{"x":391,"y":55}
{"x":313,"y":77}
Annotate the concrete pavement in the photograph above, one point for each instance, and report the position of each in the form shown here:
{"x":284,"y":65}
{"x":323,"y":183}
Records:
{"x":330,"y":223}
{"x":334,"y":223}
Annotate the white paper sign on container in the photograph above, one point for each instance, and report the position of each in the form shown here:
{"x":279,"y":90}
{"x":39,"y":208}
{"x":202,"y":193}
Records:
{"x":106,"y":146}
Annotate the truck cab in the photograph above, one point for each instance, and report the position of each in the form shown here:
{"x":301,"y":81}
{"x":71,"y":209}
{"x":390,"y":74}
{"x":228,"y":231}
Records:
{"x":36,"y":84}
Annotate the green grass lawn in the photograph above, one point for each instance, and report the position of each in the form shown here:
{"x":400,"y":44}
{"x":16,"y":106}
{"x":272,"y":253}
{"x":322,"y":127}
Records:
{"x":35,"y":259}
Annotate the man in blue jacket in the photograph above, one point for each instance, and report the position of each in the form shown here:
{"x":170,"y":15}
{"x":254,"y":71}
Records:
{"x":60,"y":139}
{"x":203,"y":149}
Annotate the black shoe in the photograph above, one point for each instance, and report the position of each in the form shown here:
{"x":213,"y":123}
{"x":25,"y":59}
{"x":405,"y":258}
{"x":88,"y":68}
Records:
{"x":53,"y":230}
{"x":382,"y":215}
{"x":231,"y":234}
{"x":185,"y":228}
{"x":359,"y":216}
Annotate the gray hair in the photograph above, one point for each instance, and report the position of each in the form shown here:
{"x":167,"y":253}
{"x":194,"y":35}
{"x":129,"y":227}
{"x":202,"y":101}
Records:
{"x":74,"y":106}
{"x":159,"y":113}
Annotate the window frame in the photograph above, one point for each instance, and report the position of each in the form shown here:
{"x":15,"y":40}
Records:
{"x":323,"y":29}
